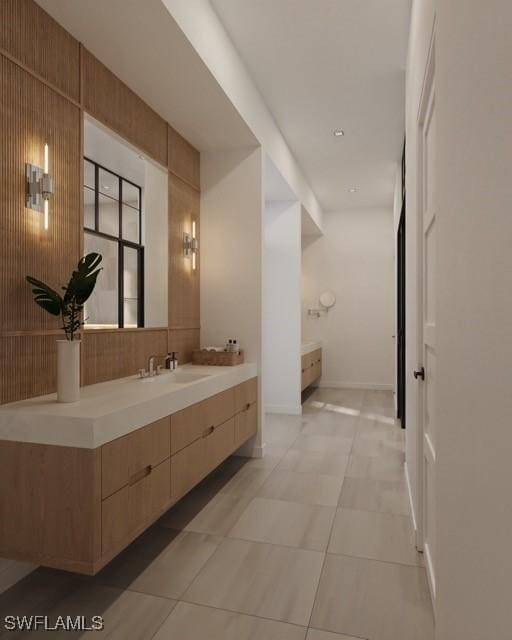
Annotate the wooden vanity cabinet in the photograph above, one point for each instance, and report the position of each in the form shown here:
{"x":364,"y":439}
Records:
{"x":76,"y":509}
{"x":311,"y":368}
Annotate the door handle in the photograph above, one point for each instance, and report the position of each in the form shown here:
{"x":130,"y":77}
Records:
{"x":419,"y":373}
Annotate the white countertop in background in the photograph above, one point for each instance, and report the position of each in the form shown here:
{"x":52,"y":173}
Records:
{"x":112,"y":409}
{"x":309,"y":346}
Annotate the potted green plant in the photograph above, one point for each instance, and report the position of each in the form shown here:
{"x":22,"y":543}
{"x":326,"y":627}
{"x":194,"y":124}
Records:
{"x":70,"y":307}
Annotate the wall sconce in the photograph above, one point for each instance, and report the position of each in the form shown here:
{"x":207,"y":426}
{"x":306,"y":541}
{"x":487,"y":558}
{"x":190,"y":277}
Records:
{"x":191,"y":245}
{"x":39,"y":187}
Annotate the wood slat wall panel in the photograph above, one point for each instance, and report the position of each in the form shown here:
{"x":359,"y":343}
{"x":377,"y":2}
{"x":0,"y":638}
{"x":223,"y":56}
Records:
{"x":28,"y":366}
{"x":31,"y":36}
{"x":116,"y":105}
{"x":183,"y":159}
{"x":108,"y":355}
{"x":184,"y":202}
{"x":183,"y":341}
{"x":33,"y":114}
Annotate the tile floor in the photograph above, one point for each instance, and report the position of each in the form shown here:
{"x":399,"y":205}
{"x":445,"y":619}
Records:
{"x":313,"y":542}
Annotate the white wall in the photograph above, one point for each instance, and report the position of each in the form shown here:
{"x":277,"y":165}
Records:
{"x":208,"y":36}
{"x":354,"y":259}
{"x":231,"y":255}
{"x":474,"y":320}
{"x":282,"y":307}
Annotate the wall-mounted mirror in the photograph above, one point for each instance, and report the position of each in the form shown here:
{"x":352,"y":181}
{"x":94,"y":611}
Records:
{"x":327,"y":299}
{"x":126,"y":220}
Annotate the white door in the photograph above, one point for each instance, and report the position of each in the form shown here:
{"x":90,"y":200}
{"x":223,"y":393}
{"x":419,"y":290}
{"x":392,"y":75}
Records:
{"x":426,"y":373}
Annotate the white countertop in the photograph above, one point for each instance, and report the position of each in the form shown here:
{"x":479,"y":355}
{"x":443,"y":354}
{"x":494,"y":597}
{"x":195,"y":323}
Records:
{"x":310,"y":345}
{"x":112,"y":409}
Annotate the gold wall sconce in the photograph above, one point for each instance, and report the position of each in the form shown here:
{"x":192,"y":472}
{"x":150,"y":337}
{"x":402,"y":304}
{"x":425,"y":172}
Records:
{"x":39,"y":187}
{"x":191,"y":245}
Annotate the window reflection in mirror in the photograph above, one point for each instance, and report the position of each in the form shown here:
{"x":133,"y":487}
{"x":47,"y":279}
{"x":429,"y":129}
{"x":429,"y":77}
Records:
{"x":125,"y":219}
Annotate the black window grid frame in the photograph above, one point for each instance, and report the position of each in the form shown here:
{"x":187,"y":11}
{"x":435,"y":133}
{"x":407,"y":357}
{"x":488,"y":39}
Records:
{"x":122,"y":243}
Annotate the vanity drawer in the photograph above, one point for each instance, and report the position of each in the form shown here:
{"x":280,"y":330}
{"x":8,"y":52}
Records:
{"x":125,"y":459}
{"x":245,"y":394}
{"x":190,"y":465}
{"x":246,"y":424}
{"x":132,"y":508}
{"x":194,"y":422}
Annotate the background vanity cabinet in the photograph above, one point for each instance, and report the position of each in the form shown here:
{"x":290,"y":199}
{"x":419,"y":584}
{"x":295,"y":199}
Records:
{"x":76,"y":508}
{"x":311,"y":367}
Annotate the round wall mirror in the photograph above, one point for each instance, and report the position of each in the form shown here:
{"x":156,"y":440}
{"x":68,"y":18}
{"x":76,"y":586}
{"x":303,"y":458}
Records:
{"x":327,"y":299}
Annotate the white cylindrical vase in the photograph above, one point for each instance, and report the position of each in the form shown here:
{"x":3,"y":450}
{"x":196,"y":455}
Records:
{"x":68,"y":370}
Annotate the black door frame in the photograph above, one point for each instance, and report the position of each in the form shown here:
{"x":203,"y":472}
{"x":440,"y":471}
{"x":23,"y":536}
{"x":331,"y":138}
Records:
{"x":400,"y":329}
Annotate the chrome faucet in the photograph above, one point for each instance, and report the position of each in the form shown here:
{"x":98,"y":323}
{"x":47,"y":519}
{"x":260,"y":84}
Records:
{"x":151,"y":364}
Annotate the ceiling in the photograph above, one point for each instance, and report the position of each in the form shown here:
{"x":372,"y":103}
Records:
{"x":321,"y":65}
{"x":142,"y":44}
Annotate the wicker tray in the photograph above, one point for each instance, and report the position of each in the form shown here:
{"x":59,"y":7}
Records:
{"x":217,"y":358}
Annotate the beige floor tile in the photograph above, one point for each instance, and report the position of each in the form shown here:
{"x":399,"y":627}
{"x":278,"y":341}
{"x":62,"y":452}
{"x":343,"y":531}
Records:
{"x":193,"y":622}
{"x":308,"y":488}
{"x":348,"y":398}
{"x":323,"y":462}
{"x":373,"y":535}
{"x":377,"y":448}
{"x":372,"y":428}
{"x":161,"y":562}
{"x":384,"y":468}
{"x":371,"y":599}
{"x":285,"y":523}
{"x":375,"y":495}
{"x":315,"y":634}
{"x":204,"y":513}
{"x":125,"y":614}
{"x":323,"y":444}
{"x":326,"y":423}
{"x":374,"y":398}
{"x":260,"y":579}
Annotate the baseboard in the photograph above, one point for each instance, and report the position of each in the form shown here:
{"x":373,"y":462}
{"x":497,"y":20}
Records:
{"x":13,"y":572}
{"x":249,"y":450}
{"x":411,"y":502}
{"x":283,"y":409}
{"x":336,"y":384}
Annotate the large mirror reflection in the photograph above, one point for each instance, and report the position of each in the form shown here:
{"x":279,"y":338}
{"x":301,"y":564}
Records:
{"x":125,"y":219}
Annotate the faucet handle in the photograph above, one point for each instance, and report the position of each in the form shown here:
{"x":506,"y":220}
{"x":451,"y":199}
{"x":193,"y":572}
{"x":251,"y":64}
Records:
{"x":142,"y":373}
{"x":159,"y":369}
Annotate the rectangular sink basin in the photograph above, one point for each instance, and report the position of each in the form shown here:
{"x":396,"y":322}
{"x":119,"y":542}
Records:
{"x":177,"y":377}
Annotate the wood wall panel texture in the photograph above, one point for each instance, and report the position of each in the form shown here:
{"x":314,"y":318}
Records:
{"x":107,"y":355}
{"x":183,"y":159}
{"x":184,"y":202}
{"x":31,"y":115}
{"x":31,"y":36}
{"x":116,"y":105}
{"x":183,"y":341}
{"x":28,"y":366}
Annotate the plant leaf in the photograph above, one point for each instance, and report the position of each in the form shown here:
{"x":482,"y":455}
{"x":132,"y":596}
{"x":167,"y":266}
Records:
{"x":46,"y":297}
{"x":83,"y":279}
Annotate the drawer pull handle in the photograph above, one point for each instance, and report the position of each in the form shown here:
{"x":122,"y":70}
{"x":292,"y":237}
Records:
{"x":248,"y":406}
{"x":143,"y":473}
{"x":209,"y":431}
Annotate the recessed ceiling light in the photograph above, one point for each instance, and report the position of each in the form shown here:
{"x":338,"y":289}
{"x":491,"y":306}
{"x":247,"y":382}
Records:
{"x":338,"y":133}
{"x":352,"y":190}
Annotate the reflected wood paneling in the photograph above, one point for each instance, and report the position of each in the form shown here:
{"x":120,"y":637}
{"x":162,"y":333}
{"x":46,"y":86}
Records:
{"x":183,"y":280}
{"x":113,"y":103}
{"x":183,"y":341}
{"x":28,"y":365}
{"x":110,"y":355}
{"x":31,"y":115}
{"x":31,"y":36}
{"x":183,"y":159}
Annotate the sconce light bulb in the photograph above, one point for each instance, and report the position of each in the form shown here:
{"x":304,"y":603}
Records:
{"x":193,"y":228}
{"x":194,"y":261}
{"x":46,"y":215}
{"x":46,"y":158}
